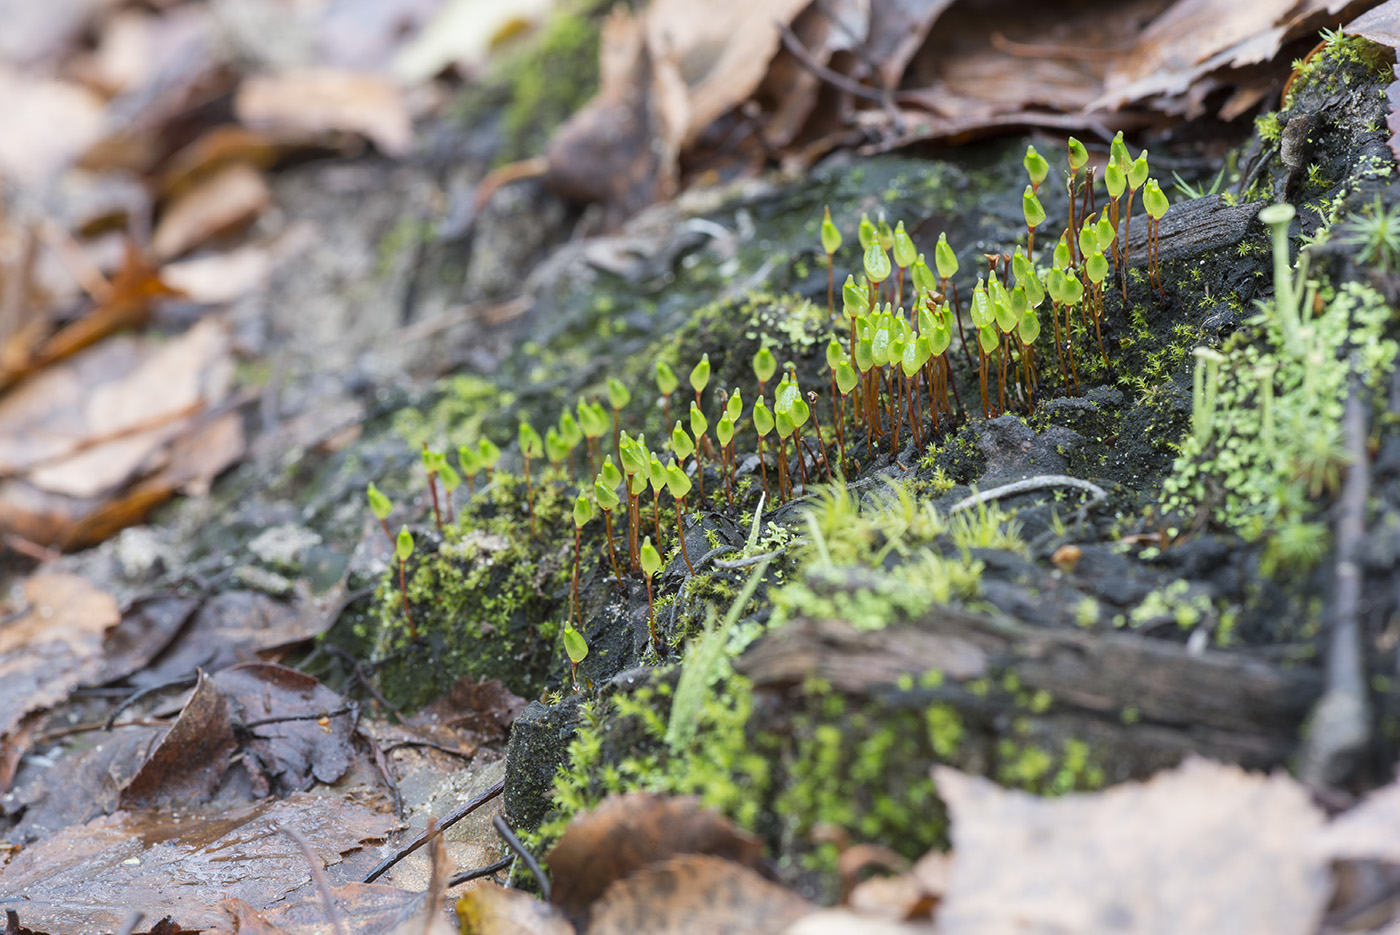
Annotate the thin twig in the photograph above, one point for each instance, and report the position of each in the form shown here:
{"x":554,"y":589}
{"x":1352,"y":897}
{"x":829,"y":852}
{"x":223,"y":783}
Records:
{"x":318,"y":875}
{"x":1039,"y":482}
{"x":462,"y":812}
{"x":504,"y":831}
{"x":1341,"y":720}
{"x":180,"y":683}
{"x":486,"y":871}
{"x":351,"y":708}
{"x":751,"y":560}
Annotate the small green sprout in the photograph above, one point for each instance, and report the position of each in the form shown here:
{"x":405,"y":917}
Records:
{"x":490,"y":455}
{"x":583,"y":512}
{"x":884,"y":234}
{"x":593,"y":421}
{"x":1154,"y":201}
{"x":724,"y":431}
{"x":831,"y":242}
{"x":1078,"y":155}
{"x":666,"y":384}
{"x":381,"y":507}
{"x":403,"y":550}
{"x":1034,"y":214}
{"x":555,"y":448}
{"x":681,"y":445}
{"x":531,"y":446}
{"x":877,"y":265}
{"x":679,"y":485}
{"x":764,"y":366}
{"x":699,"y":425}
{"x":865,"y":233}
{"x":700,"y":376}
{"x":651,"y":564}
{"x":470,"y":460}
{"x":735,"y":406}
{"x":451,"y":480}
{"x":605,"y":492}
{"x":762,"y":424}
{"x":577,"y":649}
{"x":430,"y":466}
{"x":905,"y":255}
{"x":1037,"y":168}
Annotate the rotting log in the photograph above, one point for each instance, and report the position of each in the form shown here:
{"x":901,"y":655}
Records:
{"x":1140,"y":704}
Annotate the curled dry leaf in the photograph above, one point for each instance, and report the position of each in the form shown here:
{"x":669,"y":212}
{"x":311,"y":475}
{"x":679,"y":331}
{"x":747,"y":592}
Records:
{"x":189,"y":764}
{"x":327,"y":100}
{"x":1201,"y":848}
{"x":628,"y":832}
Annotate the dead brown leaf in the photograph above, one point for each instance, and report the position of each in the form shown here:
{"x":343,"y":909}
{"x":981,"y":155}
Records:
{"x":695,"y":895}
{"x":327,"y":100}
{"x":189,"y":764}
{"x":48,"y":125}
{"x":629,"y":832}
{"x":288,"y":755}
{"x":485,"y":710}
{"x":365,"y":909}
{"x":53,"y":647}
{"x":225,"y":202}
{"x":86,"y":879}
{"x":1202,"y":848}
{"x":1382,"y":25}
{"x":491,"y":909}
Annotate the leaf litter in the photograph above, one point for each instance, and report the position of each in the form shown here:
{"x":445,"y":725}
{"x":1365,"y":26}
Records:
{"x":133,"y":103}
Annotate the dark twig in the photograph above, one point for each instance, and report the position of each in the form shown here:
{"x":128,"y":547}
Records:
{"x":479,"y":872}
{"x":509,"y":837}
{"x":351,"y":708}
{"x":187,"y":681}
{"x":1341,"y":719}
{"x":838,"y":80}
{"x":462,"y":812}
{"x":382,"y":765}
{"x":318,"y":875}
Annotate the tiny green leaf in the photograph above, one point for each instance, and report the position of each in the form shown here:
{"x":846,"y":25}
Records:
{"x":606,"y":496}
{"x":1154,"y":200}
{"x":583,"y":511}
{"x":724,"y":430}
{"x":987,"y":338}
{"x":651,"y":559}
{"x":666,"y":381}
{"x":981,"y":309}
{"x":1107,"y":233}
{"x":676,"y":481}
{"x":846,"y":378}
{"x":1078,"y":155}
{"x":865,"y":233}
{"x":1114,"y":179}
{"x":1096,"y":267}
{"x":699,"y":425}
{"x":610,"y":475}
{"x":469,"y":458}
{"x":1137,"y":172}
{"x":833,"y":353}
{"x":555,"y":448}
{"x":735,"y":406}
{"x":784,"y":423}
{"x":944,"y":258}
{"x":403,"y":546}
{"x":764,"y":365}
{"x":618,"y":394}
{"x":531,"y":445}
{"x":379,"y":504}
{"x":700,"y":375}
{"x":831,"y":237}
{"x":905,"y":252}
{"x":1036,"y":167}
{"x":490,"y":454}
{"x":877,"y":264}
{"x":922,"y":276}
{"x":1029,"y":328}
{"x":680,"y":442}
{"x":569,"y":430}
{"x":1088,"y":238}
{"x":855,"y":298}
{"x":451,"y":480}
{"x":575,"y":645}
{"x":762,"y":418}
{"x":884,"y":234}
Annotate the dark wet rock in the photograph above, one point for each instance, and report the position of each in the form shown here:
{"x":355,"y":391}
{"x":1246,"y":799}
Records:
{"x":539,"y":741}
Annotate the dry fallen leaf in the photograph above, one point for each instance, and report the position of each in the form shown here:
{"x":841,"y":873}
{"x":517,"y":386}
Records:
{"x":48,"y":125}
{"x":53,"y":647}
{"x":327,"y":100}
{"x":364,"y":909}
{"x":628,"y":832}
{"x":696,"y":895}
{"x":223,"y":203}
{"x":189,"y":764}
{"x":491,"y":909}
{"x":87,"y":879}
{"x":1201,"y":848}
